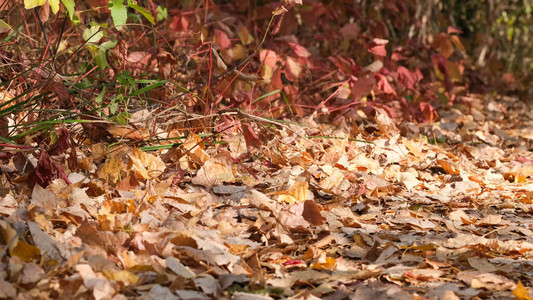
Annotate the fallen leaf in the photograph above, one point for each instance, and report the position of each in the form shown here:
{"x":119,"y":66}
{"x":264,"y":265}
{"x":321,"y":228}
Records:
{"x":520,"y":292}
{"x":311,"y":213}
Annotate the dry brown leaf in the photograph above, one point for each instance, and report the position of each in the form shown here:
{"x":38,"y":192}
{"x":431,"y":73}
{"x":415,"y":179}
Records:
{"x":194,"y":148}
{"x":294,"y":194}
{"x":145,"y":165}
{"x":127,"y":132}
{"x":215,"y":171}
{"x":311,"y":213}
{"x":47,"y":244}
{"x":115,"y":167}
{"x":177,"y":267}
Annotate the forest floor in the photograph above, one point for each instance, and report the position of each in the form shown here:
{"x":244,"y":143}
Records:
{"x":390,"y":217}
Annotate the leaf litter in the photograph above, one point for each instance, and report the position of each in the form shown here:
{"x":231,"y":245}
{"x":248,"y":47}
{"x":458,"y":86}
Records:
{"x":395,"y":217}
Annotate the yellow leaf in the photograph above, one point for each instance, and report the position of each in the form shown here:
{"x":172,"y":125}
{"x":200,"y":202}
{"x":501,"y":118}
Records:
{"x":520,"y":292}
{"x":25,"y":251}
{"x":4,"y":27}
{"x":21,"y":249}
{"x":33,"y":3}
{"x":121,"y":275}
{"x":457,"y":42}
{"x":54,"y":4}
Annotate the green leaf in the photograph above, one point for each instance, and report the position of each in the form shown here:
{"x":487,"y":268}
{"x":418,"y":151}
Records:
{"x":266,"y":95}
{"x":122,"y":118}
{"x":100,"y":57}
{"x":93,"y":34}
{"x":147,"y":88}
{"x":100,"y":97}
{"x":143,"y":11}
{"x":113,"y":106}
{"x":284,"y":96}
{"x":69,"y":5}
{"x":119,"y":13}
{"x":99,"y":100}
{"x":162,"y":13}
{"x":125,"y":78}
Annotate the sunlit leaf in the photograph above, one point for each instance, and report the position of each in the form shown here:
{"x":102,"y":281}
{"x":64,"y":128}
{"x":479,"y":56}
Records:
{"x":54,"y":5}
{"x":33,"y":3}
{"x":69,"y":5}
{"x":520,"y":292}
{"x":143,"y":11}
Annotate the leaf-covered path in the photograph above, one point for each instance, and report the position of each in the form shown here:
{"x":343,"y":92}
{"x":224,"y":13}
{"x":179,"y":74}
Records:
{"x":389,"y":218}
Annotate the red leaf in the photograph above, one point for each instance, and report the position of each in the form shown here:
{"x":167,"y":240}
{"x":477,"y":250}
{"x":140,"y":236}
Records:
{"x":362,"y":87}
{"x":442,"y":42}
{"x":269,"y":58}
{"x":61,"y":144}
{"x":345,"y":65}
{"x":430,"y":114}
{"x":292,"y":262}
{"x":407,"y":78}
{"x":251,"y":139}
{"x":299,"y":50}
{"x":377,"y":47}
{"x":312,"y":214}
{"x":128,"y":183}
{"x":293,"y":2}
{"x":45,"y":172}
{"x":275,"y":82}
{"x":384,"y":85}
{"x":439,"y":63}
{"x":179,"y":23}
{"x":350,"y":31}
{"x":221,"y":39}
{"x":59,"y":89}
{"x":454,"y":30}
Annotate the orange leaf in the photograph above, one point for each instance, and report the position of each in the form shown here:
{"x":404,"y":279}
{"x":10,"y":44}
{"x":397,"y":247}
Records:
{"x":520,"y":292}
{"x":328,"y":265}
{"x":127,"y":132}
{"x":443,"y":43}
{"x":457,"y":42}
{"x":447,"y":166}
